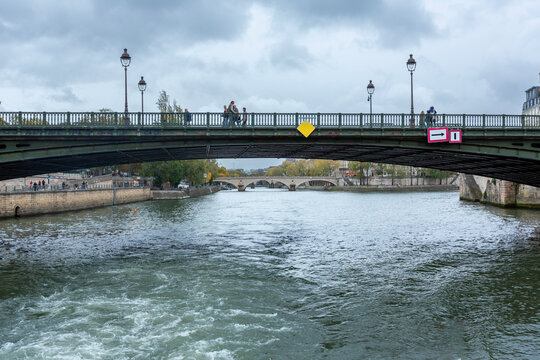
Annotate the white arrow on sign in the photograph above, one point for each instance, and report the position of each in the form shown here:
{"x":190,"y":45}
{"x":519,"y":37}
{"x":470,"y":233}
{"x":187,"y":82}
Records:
{"x":437,"y":134}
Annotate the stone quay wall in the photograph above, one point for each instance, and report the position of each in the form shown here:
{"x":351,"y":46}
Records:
{"x":498,"y":192}
{"x":45,"y":202}
{"x":183,"y":194}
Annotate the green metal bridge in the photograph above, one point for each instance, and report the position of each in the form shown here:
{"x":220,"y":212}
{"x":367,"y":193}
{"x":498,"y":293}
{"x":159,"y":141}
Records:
{"x":499,"y":146}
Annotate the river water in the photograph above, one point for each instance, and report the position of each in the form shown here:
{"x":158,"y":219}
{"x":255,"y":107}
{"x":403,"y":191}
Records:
{"x":272,"y":274}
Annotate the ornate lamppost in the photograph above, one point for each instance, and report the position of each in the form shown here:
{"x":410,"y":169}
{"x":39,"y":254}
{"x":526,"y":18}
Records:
{"x":411,"y":66}
{"x":142,"y":87}
{"x":370,"y":91}
{"x":125,"y":60}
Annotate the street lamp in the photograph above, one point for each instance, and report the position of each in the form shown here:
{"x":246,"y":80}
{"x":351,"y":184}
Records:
{"x":370,"y":91}
{"x":411,"y":66}
{"x":142,"y":87}
{"x":125,"y":60}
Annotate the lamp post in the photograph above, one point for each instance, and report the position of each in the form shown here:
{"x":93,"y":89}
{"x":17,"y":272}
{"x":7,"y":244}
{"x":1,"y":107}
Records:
{"x":125,"y":60}
{"x":370,"y":91}
{"x":411,"y":66}
{"x":142,"y":87}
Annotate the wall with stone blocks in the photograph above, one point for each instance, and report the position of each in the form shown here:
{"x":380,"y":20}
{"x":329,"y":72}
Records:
{"x":498,"y":192}
{"x":34,"y":203}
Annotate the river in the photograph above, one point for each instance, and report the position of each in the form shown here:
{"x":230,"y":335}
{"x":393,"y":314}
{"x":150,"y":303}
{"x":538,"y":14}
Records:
{"x":272,"y":274}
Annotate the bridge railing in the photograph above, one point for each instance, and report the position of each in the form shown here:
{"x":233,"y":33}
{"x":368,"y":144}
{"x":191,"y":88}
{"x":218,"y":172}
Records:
{"x":258,"y":120}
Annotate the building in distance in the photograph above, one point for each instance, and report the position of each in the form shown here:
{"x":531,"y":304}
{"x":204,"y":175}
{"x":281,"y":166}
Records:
{"x":531,"y":106}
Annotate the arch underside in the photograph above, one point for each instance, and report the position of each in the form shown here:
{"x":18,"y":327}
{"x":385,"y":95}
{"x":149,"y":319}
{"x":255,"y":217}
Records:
{"x":473,"y":159}
{"x":319,"y":180}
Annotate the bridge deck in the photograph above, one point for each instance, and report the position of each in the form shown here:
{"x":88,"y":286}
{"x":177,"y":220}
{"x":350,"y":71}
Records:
{"x":499,"y":146}
{"x":259,"y":120}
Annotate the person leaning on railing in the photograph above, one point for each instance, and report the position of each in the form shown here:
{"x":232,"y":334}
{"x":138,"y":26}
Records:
{"x":430,"y":116}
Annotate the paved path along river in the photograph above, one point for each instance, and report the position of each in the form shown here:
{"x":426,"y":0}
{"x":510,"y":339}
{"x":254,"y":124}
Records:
{"x":272,"y":274}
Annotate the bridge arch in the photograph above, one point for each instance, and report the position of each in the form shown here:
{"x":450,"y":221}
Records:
{"x":333,"y":182}
{"x":229,"y":182}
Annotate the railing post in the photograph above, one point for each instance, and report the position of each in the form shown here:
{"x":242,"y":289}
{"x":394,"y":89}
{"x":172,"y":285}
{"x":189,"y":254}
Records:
{"x":68,"y":118}
{"x":522,"y":121}
{"x":464,"y":124}
{"x":253,"y":121}
{"x":115,"y":120}
{"x":504,"y":121}
{"x":92,"y":118}
{"x":20,"y":118}
{"x":275,"y":121}
{"x":402,"y":121}
{"x":162,"y":119}
{"x":483,"y":121}
{"x":361,"y":121}
{"x":339,"y":121}
{"x":207,"y":120}
{"x":44,"y":121}
{"x":139,"y":116}
{"x":443,"y":119}
{"x":318,"y":120}
{"x":296,"y":121}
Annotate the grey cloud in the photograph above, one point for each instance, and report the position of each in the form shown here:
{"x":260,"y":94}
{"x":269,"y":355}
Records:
{"x":67,"y":96}
{"x":288,"y":55}
{"x":396,"y":22}
{"x":76,"y":40}
{"x":100,"y":23}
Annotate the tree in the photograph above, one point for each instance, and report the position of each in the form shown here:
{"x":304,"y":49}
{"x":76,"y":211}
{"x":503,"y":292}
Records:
{"x":163,"y":102}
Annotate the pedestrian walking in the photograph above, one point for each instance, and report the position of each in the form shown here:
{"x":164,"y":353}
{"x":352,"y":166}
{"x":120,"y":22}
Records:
{"x":225,"y":115}
{"x":236,"y":115}
{"x":187,"y":116}
{"x":244,"y":116}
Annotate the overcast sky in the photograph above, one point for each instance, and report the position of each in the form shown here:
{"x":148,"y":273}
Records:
{"x":300,"y":56}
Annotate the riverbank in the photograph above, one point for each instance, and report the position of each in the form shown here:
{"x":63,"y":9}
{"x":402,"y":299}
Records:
{"x":49,"y":202}
{"x":183,"y":194}
{"x":498,"y":192}
{"x":414,"y":188}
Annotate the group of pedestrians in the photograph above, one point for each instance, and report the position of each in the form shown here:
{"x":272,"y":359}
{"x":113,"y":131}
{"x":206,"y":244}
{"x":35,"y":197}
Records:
{"x":427,"y":119}
{"x":41,"y":185}
{"x":232,"y":116}
{"x":37,"y":185}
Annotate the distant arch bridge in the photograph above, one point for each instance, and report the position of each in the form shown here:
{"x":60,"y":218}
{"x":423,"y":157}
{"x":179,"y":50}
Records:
{"x":291,"y":182}
{"x":504,"y":147}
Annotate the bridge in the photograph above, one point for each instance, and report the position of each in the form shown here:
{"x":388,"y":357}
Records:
{"x":499,"y":146}
{"x":291,"y":182}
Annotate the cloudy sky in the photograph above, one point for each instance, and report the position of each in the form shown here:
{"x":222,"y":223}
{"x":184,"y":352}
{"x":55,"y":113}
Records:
{"x":269,"y":55}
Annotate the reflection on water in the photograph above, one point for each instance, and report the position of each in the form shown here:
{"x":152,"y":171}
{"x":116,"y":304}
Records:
{"x":270,"y":274}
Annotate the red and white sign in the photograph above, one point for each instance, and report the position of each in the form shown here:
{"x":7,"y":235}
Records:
{"x":455,"y":136}
{"x":437,"y":135}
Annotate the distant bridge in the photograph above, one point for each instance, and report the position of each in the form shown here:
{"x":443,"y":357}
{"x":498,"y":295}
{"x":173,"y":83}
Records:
{"x":498,"y":146}
{"x":291,"y":182}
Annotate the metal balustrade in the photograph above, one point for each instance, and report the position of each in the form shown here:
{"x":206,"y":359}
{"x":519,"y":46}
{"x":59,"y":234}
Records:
{"x":258,"y":120}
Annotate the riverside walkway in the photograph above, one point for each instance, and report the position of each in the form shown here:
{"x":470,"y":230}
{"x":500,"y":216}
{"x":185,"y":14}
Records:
{"x":499,"y":146}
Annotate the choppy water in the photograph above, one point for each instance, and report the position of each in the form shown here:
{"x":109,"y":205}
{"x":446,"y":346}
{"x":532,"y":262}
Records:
{"x":270,"y":274}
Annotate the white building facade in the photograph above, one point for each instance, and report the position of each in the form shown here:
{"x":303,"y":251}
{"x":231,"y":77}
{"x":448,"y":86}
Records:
{"x":531,"y":106}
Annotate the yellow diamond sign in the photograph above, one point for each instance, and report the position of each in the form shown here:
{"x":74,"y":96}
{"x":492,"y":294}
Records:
{"x":305,"y":128}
